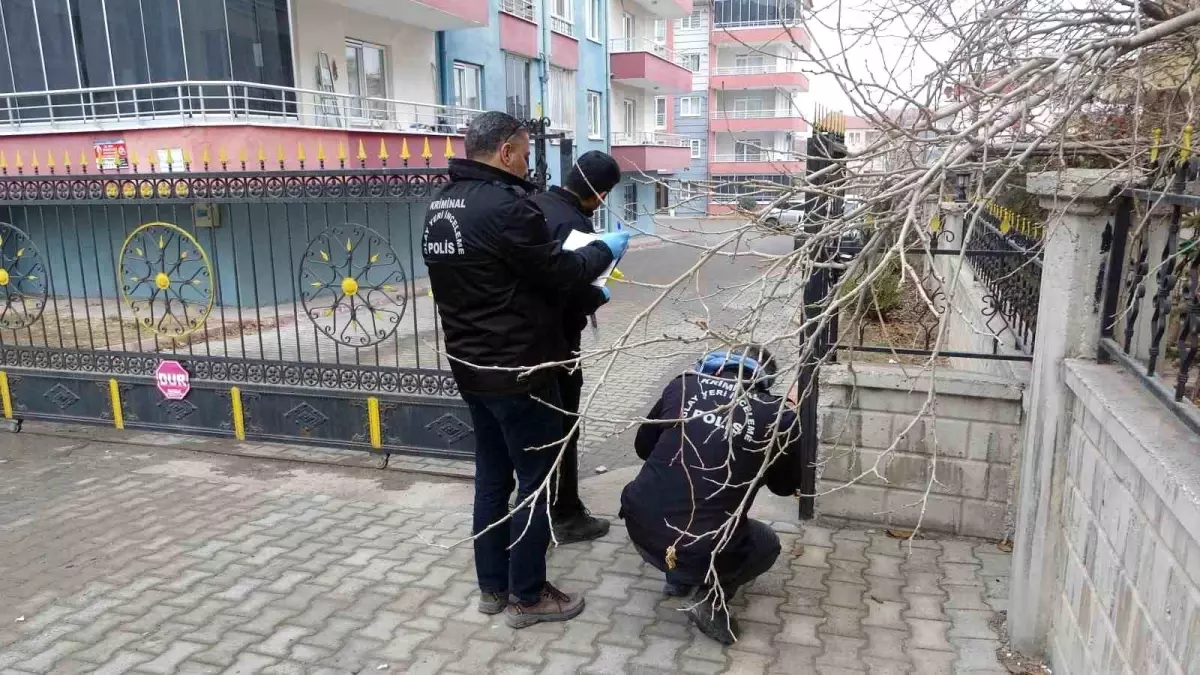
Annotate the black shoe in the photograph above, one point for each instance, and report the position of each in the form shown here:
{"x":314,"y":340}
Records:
{"x":492,"y":603}
{"x":674,"y":590}
{"x":714,"y":622}
{"x":579,"y":527}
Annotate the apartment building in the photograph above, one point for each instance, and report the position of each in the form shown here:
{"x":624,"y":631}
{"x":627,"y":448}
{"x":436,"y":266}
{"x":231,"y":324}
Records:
{"x":173,"y":79}
{"x":646,"y":73}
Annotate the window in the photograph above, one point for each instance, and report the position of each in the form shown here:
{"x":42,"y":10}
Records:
{"x":516,"y":87}
{"x":660,"y":112}
{"x":630,"y":117}
{"x":562,"y":98}
{"x":697,"y":148}
{"x":689,"y":106}
{"x":468,"y":85}
{"x":744,"y":108}
{"x":691,"y":61}
{"x":749,"y":63}
{"x":595,"y":18}
{"x":694,"y":21}
{"x":562,"y":16}
{"x":749,"y":150}
{"x":628,"y":28}
{"x":366,"y":78}
{"x":758,"y":13}
{"x":660,"y":31}
{"x":595,"y":104}
{"x":631,"y":205}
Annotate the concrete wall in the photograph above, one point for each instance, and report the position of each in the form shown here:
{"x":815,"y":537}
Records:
{"x":976,"y":420}
{"x":322,"y":26}
{"x":1127,"y":598}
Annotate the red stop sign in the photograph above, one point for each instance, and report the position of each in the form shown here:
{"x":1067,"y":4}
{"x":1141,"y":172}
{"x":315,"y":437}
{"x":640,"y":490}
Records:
{"x":173,"y":381}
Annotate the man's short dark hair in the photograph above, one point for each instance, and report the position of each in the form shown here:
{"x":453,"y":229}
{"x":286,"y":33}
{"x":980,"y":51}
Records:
{"x":489,"y":131}
{"x":594,"y":172}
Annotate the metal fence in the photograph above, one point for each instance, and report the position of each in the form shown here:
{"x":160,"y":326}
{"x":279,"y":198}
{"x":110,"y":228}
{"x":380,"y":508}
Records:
{"x":294,"y":299}
{"x":1149,"y":288}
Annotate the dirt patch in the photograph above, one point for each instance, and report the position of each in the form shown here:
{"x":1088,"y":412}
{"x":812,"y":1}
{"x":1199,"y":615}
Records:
{"x":910,"y":325}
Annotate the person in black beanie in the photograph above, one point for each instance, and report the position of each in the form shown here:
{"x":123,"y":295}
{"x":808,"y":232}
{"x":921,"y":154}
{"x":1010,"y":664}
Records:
{"x":567,"y":208}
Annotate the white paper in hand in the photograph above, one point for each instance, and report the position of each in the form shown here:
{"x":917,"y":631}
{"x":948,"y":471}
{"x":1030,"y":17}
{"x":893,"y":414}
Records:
{"x":577,"y":240}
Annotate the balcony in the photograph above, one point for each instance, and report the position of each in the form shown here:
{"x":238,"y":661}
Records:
{"x":651,"y":151}
{"x":755,"y":163}
{"x":190,"y":104}
{"x":518,"y":28}
{"x":649,"y":66}
{"x":759,"y":76}
{"x":756,"y":120}
{"x":758,"y":35}
{"x":666,"y":9}
{"x":428,"y":14}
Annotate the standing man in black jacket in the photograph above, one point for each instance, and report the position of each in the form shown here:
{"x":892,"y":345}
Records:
{"x":568,"y":208}
{"x":497,"y":277}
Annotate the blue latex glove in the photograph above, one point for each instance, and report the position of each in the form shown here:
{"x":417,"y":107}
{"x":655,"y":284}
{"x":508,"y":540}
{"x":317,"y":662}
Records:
{"x":607,"y":293}
{"x":617,"y":242}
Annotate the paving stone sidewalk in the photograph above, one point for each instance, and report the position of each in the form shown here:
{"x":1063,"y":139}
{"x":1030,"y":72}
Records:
{"x":156,"y":573}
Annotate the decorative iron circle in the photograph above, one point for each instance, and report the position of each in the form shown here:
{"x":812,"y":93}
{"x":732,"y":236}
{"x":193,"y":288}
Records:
{"x":22,"y":279}
{"x":166,"y":279}
{"x":352,"y":285}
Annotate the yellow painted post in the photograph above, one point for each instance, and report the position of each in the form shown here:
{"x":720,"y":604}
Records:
{"x":1185,"y":146}
{"x":1155,"y":142}
{"x":373,"y":423}
{"x":239,"y":421}
{"x":114,"y":394}
{"x":5,"y":396}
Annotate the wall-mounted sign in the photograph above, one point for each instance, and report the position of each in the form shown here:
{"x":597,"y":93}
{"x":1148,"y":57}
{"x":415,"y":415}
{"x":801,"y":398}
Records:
{"x":111,"y":155}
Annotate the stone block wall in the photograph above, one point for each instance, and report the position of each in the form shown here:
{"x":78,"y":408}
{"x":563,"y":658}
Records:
{"x":966,"y":439}
{"x":1127,"y":536}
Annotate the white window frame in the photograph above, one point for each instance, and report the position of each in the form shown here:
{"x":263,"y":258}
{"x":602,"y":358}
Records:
{"x":660,"y":112}
{"x":595,"y":16}
{"x":562,"y":17}
{"x":562,"y":98}
{"x":697,"y":145}
{"x":659,"y":30}
{"x":364,"y":110}
{"x":689,"y":57}
{"x":746,"y":149}
{"x":693,"y":21}
{"x":463,"y":70}
{"x":595,"y":103}
{"x":692,"y":102}
{"x":629,"y":113}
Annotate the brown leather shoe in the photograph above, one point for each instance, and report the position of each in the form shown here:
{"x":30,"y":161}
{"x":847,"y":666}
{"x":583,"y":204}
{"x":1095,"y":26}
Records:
{"x":553,"y":605}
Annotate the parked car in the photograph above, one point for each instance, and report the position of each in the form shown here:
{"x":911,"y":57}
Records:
{"x":788,"y":216}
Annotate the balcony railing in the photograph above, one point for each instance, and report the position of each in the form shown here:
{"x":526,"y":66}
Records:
{"x":651,"y":138}
{"x":562,"y":26}
{"x":754,"y":114}
{"x":641,"y":44}
{"x":752,"y":157}
{"x":174,"y":103}
{"x":758,"y":23}
{"x":756,"y":69}
{"x":520,"y":8}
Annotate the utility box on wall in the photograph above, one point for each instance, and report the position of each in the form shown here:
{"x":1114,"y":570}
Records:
{"x":206,"y":215}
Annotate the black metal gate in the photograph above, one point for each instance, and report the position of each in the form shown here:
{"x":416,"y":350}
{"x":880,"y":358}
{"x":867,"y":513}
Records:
{"x":1003,"y":250}
{"x":293,"y":300}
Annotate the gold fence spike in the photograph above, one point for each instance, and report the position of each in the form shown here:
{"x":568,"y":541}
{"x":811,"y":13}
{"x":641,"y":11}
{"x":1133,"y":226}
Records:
{"x":20,"y":164}
{"x":362,"y":151}
{"x":50,"y":160}
{"x":3,"y":162}
{"x":320,"y":152}
{"x":262,"y":154}
{"x":383,"y":151}
{"x":1155,"y":142}
{"x":83,"y":162}
{"x":67,"y":160}
{"x":279,"y":154}
{"x":404,"y":153}
{"x":426,"y":153}
{"x":300,"y":152}
{"x":187,"y":157}
{"x":341,"y":151}
{"x":1185,"y":146}
{"x":449,"y":149}
{"x":242,"y":156}
{"x":204,"y":156}
{"x":33,"y":161}
{"x":222,"y":157}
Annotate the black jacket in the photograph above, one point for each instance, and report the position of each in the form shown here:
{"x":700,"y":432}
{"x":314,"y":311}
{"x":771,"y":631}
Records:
{"x":496,"y":275}
{"x":719,"y":444}
{"x":563,"y":214}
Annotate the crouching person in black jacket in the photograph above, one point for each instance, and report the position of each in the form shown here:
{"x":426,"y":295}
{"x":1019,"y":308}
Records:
{"x":717,"y":427}
{"x":569,"y":208}
{"x":497,"y":277}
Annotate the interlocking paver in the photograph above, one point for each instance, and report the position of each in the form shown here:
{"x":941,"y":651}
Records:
{"x":190,"y":578}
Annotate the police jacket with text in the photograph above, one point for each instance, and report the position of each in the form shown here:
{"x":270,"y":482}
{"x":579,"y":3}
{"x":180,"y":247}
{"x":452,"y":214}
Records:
{"x":564,"y":213}
{"x":496,"y":275}
{"x":698,"y":472}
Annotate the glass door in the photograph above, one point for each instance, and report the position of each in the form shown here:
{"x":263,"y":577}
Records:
{"x":366,"y":78}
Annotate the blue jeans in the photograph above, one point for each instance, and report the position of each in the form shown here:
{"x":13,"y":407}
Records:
{"x":506,"y":427}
